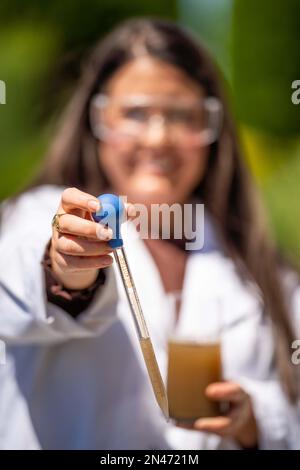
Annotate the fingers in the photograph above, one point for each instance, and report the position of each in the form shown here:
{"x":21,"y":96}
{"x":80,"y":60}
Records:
{"x":225,"y":391}
{"x":73,"y":198}
{"x":74,"y":246}
{"x":185,"y":425}
{"x":221,"y":425}
{"x":73,"y":264}
{"x":77,"y":206}
{"x":130,"y":211}
{"x":74,"y":225}
{"x":79,"y":244}
{"x":230,"y":424}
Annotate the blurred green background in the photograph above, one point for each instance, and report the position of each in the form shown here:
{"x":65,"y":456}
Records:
{"x":255,"y":43}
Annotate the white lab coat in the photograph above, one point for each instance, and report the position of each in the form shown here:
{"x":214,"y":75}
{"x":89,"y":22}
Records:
{"x":81,"y":383}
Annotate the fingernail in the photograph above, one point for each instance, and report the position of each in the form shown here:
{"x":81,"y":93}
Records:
{"x":94,"y":205}
{"x":107,"y":262}
{"x":131,"y":211}
{"x":104,"y":234}
{"x":100,"y":233}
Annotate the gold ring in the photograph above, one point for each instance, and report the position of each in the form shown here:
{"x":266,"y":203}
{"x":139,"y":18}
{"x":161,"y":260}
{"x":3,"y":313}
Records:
{"x":55,"y":221}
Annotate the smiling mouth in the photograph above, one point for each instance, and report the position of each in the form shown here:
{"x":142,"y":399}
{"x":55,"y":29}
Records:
{"x":157,"y":166}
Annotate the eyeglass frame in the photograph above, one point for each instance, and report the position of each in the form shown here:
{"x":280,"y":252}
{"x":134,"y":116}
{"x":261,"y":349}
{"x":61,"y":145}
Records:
{"x":100,"y":100}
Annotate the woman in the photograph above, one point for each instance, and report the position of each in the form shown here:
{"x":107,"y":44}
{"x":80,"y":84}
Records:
{"x":148,"y":121}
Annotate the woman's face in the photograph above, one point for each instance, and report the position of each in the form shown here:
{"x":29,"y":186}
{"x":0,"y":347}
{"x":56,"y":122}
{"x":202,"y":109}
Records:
{"x":153,"y":165}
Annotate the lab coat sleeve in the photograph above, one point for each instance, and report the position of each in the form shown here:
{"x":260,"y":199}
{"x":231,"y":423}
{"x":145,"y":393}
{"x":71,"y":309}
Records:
{"x":25,"y":314}
{"x":278,"y":419}
{"x":28,"y":317}
{"x":270,"y":408}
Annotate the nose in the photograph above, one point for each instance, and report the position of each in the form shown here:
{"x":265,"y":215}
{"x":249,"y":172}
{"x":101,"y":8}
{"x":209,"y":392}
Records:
{"x":157,"y":133}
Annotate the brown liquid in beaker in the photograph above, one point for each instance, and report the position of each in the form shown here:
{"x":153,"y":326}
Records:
{"x":192,"y":367}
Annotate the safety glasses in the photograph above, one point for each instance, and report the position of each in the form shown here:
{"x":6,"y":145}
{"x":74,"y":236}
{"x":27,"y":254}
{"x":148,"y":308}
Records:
{"x":134,"y":119}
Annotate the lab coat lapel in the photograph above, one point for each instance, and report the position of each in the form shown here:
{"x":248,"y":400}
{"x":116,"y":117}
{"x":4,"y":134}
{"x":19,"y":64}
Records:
{"x":199,"y":303}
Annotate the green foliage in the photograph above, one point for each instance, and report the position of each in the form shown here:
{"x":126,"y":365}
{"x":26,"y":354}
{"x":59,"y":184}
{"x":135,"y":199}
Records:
{"x":282,"y":199}
{"x":266,"y":60}
{"x":211,"y":21}
{"x":41,"y":46}
{"x":26,"y":52}
{"x":82,"y":21}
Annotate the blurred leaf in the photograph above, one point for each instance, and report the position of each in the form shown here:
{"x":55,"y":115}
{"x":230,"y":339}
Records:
{"x":266,"y":60}
{"x":267,"y":154}
{"x":84,"y":20}
{"x":275,"y":164}
{"x":282,"y":198}
{"x":26,"y":53}
{"x":211,"y":21}
{"x":41,"y":45}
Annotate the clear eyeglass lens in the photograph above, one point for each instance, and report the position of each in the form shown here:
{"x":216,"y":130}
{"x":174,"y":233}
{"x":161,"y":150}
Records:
{"x":195,"y":124}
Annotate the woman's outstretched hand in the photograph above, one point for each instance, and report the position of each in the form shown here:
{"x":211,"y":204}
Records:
{"x":239,"y":423}
{"x":80,"y":247}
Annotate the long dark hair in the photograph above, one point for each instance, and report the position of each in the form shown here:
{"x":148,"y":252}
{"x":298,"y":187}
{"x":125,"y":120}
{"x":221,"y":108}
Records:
{"x":226,"y":188}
